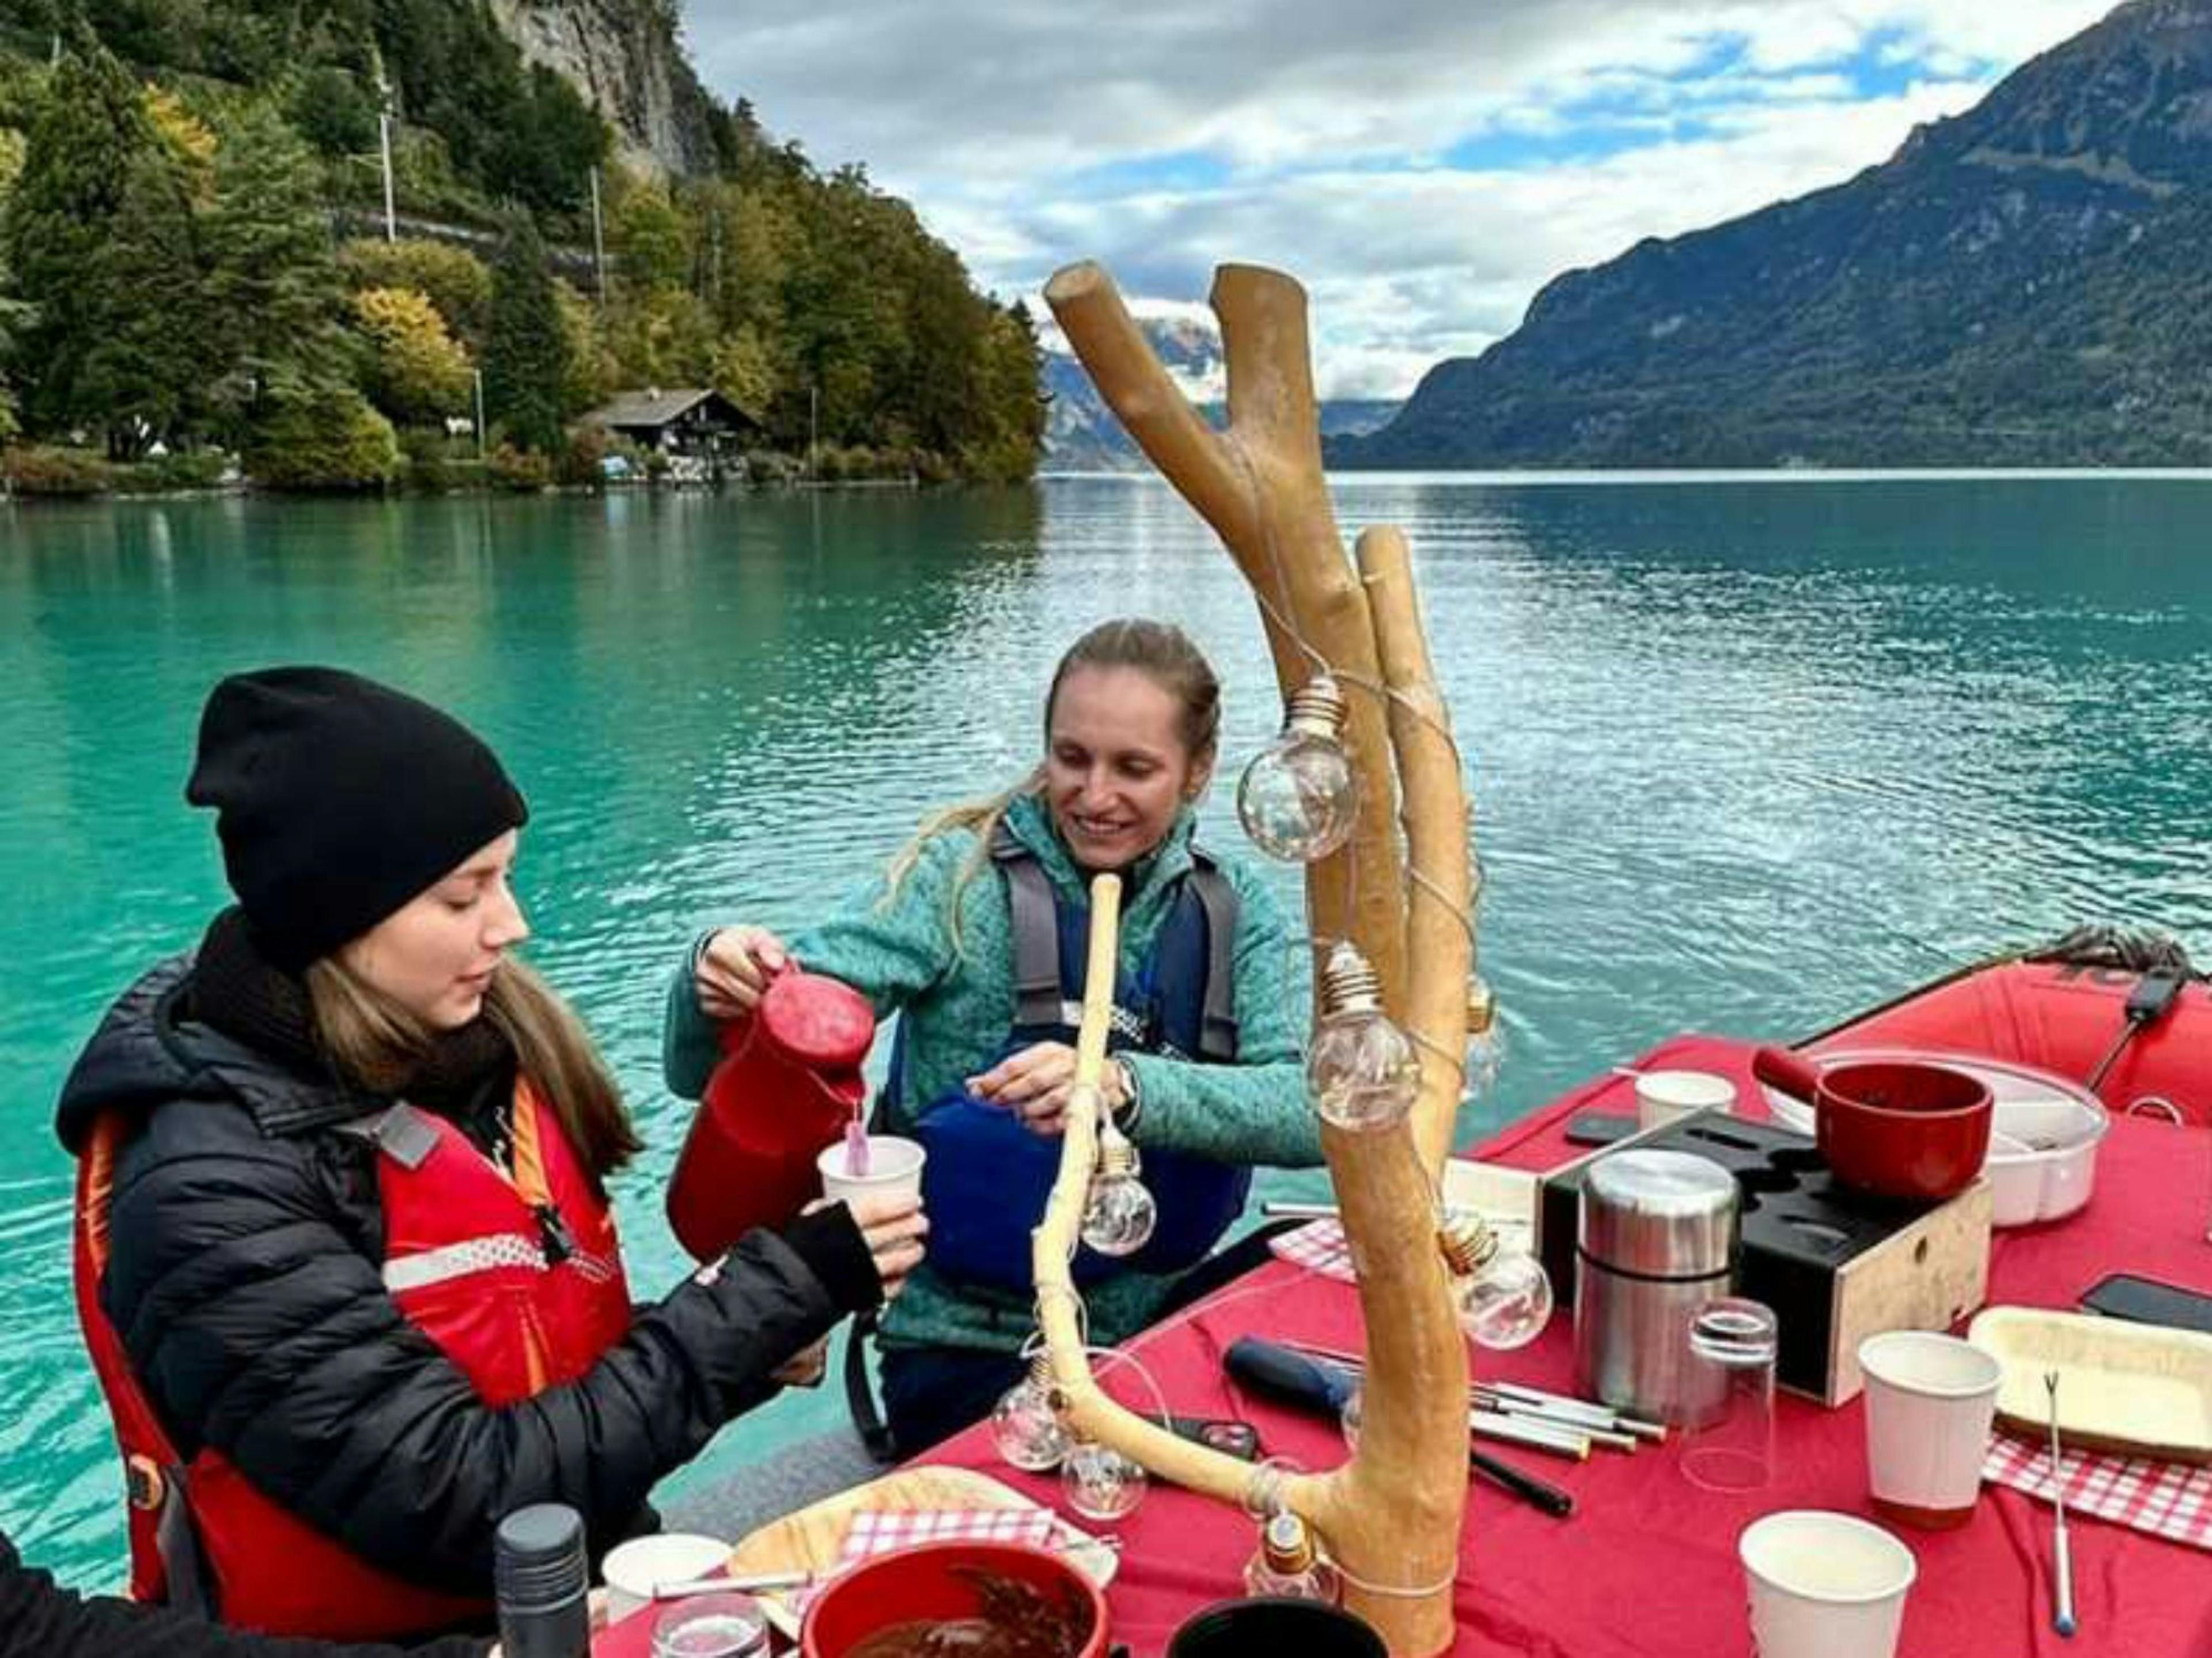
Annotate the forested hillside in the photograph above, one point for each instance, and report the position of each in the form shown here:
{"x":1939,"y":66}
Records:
{"x":191,"y":219}
{"x":2024,"y":284}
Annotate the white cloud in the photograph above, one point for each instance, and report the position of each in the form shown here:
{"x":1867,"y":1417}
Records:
{"x":1029,"y":132}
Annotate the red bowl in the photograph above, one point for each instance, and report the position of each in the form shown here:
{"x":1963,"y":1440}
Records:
{"x":1901,"y":1129}
{"x":937,"y":1581}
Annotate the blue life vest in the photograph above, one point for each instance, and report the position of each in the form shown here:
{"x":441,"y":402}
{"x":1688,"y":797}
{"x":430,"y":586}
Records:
{"x":986,"y":1176}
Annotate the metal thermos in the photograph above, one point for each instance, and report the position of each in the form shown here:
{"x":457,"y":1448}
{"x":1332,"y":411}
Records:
{"x":1656,"y":1241}
{"x":540,"y":1578}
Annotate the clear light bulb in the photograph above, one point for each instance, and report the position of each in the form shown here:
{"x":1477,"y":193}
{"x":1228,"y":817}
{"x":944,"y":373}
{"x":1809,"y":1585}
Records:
{"x":1502,"y":1297}
{"x":1361,"y":1070}
{"x":1299,"y":797}
{"x":1024,"y":1426}
{"x":1486,"y":1039}
{"x":1120,"y":1212}
{"x":1100,"y":1484}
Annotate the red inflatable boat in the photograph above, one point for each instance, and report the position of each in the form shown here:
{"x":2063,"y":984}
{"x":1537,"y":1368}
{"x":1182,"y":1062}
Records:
{"x":2127,"y":1019}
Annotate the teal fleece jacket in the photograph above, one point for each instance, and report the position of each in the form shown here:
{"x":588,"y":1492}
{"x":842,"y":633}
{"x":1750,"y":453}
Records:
{"x":950,"y":978}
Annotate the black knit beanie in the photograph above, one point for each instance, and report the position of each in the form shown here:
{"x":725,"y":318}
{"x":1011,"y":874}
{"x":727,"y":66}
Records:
{"x":337,"y":800}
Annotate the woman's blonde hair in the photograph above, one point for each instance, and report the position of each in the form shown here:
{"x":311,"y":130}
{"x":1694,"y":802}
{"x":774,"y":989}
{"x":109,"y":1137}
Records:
{"x":1160,"y":651}
{"x":375,"y":1042}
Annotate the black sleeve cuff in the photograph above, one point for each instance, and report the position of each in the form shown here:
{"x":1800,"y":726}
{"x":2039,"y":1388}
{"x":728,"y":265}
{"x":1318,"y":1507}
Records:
{"x":828,"y":1241}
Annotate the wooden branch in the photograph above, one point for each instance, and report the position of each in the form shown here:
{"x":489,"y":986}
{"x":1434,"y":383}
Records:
{"x":1439,"y":938}
{"x":1259,"y":484}
{"x":1087,"y":1410}
{"x":1390,"y":1517}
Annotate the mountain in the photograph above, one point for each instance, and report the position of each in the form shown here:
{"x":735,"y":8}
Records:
{"x":1082,"y":435}
{"x":2026,"y":284}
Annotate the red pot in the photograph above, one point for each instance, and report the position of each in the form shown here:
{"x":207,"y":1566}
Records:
{"x":934,"y":1580}
{"x":1897,"y":1128}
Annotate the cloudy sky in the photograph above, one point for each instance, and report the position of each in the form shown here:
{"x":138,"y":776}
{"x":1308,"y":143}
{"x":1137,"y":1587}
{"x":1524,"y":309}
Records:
{"x":1423,"y":166}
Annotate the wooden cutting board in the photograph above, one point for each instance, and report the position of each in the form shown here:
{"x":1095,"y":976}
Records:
{"x":812,"y":1539}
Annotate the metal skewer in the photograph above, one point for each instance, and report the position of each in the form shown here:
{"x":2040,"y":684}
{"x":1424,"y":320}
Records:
{"x":1559,"y":1438}
{"x":2062,"y":1570}
{"x":757,"y":1583}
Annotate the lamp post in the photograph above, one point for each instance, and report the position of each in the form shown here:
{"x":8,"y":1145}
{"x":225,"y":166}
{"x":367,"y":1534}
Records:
{"x":598,"y":242}
{"x":480,"y":419}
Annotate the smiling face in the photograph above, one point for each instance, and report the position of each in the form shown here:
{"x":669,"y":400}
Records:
{"x":1116,"y":769}
{"x":436,"y":954}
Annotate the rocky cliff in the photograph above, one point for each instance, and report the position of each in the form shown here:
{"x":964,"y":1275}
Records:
{"x":625,"y":57}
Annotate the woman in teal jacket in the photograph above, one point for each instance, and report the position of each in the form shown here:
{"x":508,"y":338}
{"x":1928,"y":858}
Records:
{"x":1130,"y":727}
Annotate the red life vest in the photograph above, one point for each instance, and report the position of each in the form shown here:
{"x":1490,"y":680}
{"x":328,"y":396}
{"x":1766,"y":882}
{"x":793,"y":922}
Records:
{"x":518,"y":1280}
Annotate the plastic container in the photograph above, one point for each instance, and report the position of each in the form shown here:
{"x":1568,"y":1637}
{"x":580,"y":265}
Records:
{"x":2042,"y":1159}
{"x":937,"y":1581}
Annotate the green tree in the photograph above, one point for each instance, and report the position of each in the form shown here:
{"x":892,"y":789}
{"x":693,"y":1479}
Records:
{"x":456,"y":282}
{"x":745,"y":372}
{"x":90,"y":131}
{"x":525,"y":360}
{"x":649,"y":239}
{"x":334,"y":111}
{"x":592,"y":373}
{"x":415,"y":372}
{"x":321,"y":438}
{"x":143,"y":286}
{"x":273,"y":279}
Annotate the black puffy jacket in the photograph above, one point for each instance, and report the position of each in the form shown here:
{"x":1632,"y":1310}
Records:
{"x":244,"y":1283}
{"x":40,"y":1619}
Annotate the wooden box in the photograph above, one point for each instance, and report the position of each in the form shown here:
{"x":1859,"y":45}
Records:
{"x":1835,"y":1265}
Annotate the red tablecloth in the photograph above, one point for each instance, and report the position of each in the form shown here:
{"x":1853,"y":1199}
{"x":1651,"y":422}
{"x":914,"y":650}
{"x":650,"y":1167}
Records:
{"x":1646,"y":1567}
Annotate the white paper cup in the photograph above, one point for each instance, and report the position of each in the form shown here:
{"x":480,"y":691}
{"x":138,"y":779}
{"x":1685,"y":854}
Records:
{"x":1824,"y":1585}
{"x":1929,"y":1402}
{"x":1663,"y":1096}
{"x":894,"y":1167}
{"x":634,"y":1569}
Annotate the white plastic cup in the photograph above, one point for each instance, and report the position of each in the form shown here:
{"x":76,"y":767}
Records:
{"x":1929,"y":1402}
{"x":635,"y":1569}
{"x":894,"y":1168}
{"x":1663,"y":1096}
{"x":1824,"y":1585}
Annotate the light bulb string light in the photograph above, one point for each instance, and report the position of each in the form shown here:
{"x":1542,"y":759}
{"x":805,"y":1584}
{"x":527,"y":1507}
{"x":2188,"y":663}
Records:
{"x":1075,"y":1301}
{"x":1394,"y":1591}
{"x":1278,"y":613}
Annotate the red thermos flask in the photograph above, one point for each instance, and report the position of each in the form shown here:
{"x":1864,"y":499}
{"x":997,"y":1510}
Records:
{"x":788,"y":1083}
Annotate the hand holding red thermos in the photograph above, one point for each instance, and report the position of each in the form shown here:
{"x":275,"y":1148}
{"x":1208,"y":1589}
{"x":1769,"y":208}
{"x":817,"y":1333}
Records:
{"x":790,"y":1080}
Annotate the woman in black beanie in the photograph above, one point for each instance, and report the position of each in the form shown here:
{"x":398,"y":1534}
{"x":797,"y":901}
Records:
{"x":345,"y":1259}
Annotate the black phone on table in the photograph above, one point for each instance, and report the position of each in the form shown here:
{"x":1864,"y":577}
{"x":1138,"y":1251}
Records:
{"x":2147,"y":1300}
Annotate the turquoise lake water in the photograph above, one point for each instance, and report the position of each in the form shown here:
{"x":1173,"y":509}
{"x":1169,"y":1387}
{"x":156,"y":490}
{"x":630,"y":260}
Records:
{"x":1747,"y":756}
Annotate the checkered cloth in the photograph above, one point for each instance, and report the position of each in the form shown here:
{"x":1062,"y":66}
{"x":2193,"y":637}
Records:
{"x":874,"y":1532}
{"x":1319,"y":1247}
{"x":2167,"y":1499}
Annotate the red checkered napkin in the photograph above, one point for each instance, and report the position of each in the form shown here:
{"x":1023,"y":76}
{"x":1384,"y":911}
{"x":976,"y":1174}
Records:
{"x":874,"y":1531}
{"x":2167,"y":1499}
{"x":1319,"y":1247}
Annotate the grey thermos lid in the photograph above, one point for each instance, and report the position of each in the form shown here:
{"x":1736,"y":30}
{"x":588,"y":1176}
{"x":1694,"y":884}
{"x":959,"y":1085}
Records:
{"x":1660,"y":1214}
